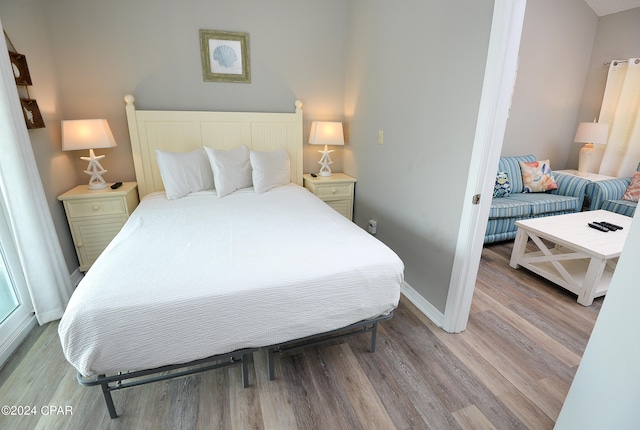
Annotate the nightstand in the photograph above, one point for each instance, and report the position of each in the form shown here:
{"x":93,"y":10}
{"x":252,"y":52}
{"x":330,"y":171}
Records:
{"x":336,"y":190}
{"x":96,"y":216}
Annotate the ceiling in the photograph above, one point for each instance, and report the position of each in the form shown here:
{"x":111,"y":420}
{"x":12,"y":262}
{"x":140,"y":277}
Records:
{"x":607,"y":7}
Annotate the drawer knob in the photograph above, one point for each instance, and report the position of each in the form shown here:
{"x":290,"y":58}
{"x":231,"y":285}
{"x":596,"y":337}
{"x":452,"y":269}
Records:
{"x":96,"y":207}
{"x":80,"y":244}
{"x":333,"y":190}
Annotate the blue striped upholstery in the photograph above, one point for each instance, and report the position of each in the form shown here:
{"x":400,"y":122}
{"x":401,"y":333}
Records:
{"x":512,"y":167}
{"x":623,"y":207}
{"x":505,"y":211}
{"x":601,"y":191}
{"x":608,"y":194}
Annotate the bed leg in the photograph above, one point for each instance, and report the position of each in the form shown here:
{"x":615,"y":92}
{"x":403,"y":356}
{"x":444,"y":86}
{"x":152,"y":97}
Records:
{"x":272,"y":371}
{"x":374,"y":332}
{"x":245,"y":370}
{"x":108,"y":400}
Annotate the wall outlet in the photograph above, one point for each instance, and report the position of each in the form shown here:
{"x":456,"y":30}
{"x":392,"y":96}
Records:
{"x":373,"y":226}
{"x":380,"y":137}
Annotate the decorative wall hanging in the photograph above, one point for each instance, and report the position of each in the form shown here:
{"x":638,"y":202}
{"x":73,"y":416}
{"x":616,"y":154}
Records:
{"x":20,"y":69}
{"x":31,"y":112}
{"x":32,"y":116}
{"x":225,"y":56}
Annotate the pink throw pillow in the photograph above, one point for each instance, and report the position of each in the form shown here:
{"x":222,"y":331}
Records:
{"x":633,"y":191}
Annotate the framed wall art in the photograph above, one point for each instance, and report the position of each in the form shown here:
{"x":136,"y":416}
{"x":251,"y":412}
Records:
{"x":225,"y":56}
{"x":20,"y":69}
{"x":31,"y":112}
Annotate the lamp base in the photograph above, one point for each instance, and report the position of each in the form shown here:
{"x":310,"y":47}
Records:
{"x":325,"y":161}
{"x":586,"y":158}
{"x":95,"y":170}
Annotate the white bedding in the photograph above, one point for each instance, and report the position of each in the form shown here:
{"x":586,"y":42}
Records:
{"x":199,"y":276}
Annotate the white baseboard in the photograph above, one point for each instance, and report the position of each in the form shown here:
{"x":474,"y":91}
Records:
{"x":76,"y":277}
{"x":422,"y":304}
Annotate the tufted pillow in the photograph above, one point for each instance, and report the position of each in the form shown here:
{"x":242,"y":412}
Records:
{"x":502,"y":188}
{"x":537,"y":176}
{"x":633,"y":190}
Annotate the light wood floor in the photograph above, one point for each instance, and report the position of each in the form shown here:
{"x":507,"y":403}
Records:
{"x":510,"y":369}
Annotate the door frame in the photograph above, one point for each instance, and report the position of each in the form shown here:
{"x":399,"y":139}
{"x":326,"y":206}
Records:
{"x":15,"y":328}
{"x":495,"y":102}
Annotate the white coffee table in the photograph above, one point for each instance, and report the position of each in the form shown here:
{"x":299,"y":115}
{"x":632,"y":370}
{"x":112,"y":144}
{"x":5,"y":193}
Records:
{"x":581,"y":259}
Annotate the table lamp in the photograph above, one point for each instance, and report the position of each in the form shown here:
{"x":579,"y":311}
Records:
{"x":326,"y":133}
{"x":89,"y":134}
{"x":589,"y":133}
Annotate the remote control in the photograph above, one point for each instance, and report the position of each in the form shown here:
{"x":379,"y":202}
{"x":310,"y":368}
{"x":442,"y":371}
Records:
{"x":116,"y":185}
{"x":313,"y":175}
{"x":601,"y":224}
{"x":610,"y":226}
{"x":598,"y":227}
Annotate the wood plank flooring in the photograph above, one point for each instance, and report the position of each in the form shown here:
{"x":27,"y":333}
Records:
{"x":511,"y":369}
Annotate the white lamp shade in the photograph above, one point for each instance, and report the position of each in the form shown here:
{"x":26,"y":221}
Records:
{"x":592,"y":132}
{"x":326,"y":133}
{"x":86,"y":134}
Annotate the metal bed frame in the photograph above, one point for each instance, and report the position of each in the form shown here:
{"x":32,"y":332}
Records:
{"x":240,"y":357}
{"x":117,"y":382}
{"x":366,"y":326}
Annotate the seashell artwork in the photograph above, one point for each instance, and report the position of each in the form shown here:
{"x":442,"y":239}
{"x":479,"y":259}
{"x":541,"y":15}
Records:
{"x":225,"y":56}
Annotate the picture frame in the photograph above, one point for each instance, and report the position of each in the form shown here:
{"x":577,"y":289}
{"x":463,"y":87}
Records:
{"x":225,"y":56}
{"x":20,"y":69}
{"x":31,"y":112}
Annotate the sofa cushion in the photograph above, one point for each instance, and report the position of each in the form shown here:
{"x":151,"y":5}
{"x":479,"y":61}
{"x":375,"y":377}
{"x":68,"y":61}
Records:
{"x":542,"y":203}
{"x":509,"y":208}
{"x":622,"y":207}
{"x":511,"y":166}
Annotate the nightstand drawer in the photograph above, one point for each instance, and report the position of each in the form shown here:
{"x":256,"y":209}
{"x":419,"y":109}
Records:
{"x":325,"y":191}
{"x":341,"y":206}
{"x":91,"y":237}
{"x":94,"y":207}
{"x":336,"y":190}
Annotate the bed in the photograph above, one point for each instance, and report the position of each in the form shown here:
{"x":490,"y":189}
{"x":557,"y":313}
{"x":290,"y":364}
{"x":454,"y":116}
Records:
{"x":201,"y":279}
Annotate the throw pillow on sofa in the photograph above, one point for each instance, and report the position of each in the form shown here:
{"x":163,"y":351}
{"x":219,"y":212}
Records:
{"x":502,"y":188}
{"x":633,"y":190}
{"x":537,"y":176}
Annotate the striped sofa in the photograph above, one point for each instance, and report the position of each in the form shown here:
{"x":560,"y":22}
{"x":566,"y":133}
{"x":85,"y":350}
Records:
{"x":505,"y":211}
{"x":608,"y":194}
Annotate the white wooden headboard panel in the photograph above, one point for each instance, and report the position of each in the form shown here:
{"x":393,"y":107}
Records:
{"x":180,"y":131}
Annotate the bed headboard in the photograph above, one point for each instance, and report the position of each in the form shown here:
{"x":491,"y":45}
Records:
{"x":180,"y":131}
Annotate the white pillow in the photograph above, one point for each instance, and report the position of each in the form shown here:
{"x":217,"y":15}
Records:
{"x":270,"y":169}
{"x":184,"y":172}
{"x":231,"y":169}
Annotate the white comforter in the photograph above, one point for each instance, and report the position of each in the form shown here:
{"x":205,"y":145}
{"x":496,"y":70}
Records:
{"x":199,"y":276}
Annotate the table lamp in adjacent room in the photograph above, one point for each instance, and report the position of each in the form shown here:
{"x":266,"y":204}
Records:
{"x":326,"y":133}
{"x":89,"y":134}
{"x":589,"y":133}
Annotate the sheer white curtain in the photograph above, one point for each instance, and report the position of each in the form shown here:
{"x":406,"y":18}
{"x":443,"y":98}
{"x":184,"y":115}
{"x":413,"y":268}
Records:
{"x":30,"y":221}
{"x":621,"y":110}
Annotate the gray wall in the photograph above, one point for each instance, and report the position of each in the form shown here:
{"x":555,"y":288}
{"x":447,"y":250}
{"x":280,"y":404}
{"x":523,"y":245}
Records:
{"x":106,"y":49}
{"x":415,"y":70}
{"x":555,"y":49}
